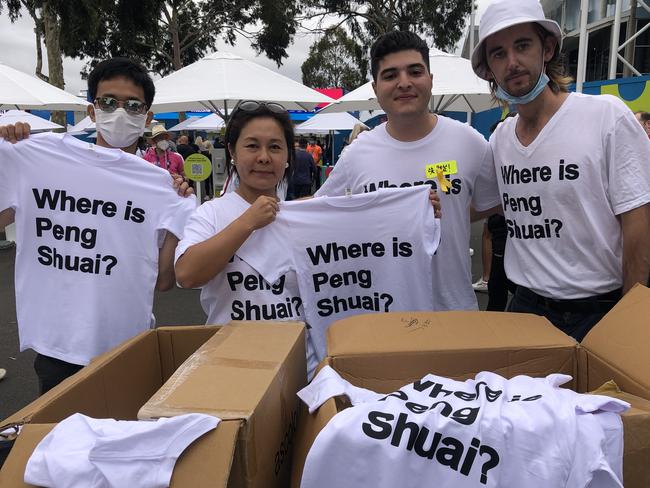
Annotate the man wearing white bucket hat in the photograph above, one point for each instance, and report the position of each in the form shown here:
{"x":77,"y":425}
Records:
{"x":572,"y":172}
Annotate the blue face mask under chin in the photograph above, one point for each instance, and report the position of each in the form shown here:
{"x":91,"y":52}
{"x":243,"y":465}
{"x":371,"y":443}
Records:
{"x":528,"y":97}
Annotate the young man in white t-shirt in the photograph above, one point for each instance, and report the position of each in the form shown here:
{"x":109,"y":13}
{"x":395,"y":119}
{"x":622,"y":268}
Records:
{"x":122,"y":92}
{"x":415,"y":147}
{"x":573,"y":175}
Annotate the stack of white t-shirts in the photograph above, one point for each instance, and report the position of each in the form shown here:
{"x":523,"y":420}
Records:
{"x":82,"y":452}
{"x":484,"y":432}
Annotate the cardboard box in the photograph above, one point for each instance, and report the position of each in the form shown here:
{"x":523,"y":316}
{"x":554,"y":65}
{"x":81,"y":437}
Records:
{"x":384,"y":352}
{"x":266,"y":360}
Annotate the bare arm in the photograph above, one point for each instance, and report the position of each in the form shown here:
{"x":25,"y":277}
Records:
{"x":205,"y":260}
{"x":636,"y":246}
{"x":475,"y":215}
{"x":166,"y":278}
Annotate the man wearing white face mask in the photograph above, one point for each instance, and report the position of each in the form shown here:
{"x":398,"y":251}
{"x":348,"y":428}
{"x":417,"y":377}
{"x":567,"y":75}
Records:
{"x":161,"y":154}
{"x":572,"y":172}
{"x":97,"y":226}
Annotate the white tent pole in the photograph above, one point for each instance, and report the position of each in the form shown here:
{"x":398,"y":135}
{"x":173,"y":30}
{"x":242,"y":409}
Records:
{"x":472,"y":21}
{"x":616,"y":31}
{"x":582,"y":49}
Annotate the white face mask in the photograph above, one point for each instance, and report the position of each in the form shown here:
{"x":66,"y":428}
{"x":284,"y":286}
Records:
{"x":162,"y":145}
{"x":119,"y":128}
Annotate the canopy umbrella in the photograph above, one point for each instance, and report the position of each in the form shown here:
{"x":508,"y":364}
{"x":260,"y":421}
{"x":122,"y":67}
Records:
{"x":324,"y":123}
{"x":455,"y":88}
{"x":36,"y":123}
{"x":218,"y":81}
{"x":328,"y":124}
{"x":183,"y":125}
{"x":85,"y":124}
{"x":210,"y":123}
{"x":22,"y":91}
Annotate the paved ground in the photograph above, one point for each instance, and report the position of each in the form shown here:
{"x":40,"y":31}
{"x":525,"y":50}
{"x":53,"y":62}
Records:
{"x":175,"y":307}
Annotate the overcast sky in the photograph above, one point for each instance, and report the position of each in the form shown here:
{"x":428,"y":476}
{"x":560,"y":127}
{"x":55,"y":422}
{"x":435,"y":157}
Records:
{"x":18,"y":50}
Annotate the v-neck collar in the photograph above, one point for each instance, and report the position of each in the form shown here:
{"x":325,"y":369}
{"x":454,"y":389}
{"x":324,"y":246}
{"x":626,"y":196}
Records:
{"x":548,"y":127}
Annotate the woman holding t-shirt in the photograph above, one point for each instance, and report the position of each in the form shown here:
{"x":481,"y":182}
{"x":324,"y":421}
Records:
{"x":259,"y":137}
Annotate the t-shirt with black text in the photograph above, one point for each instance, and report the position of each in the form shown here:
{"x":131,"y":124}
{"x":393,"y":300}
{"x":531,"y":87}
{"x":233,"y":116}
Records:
{"x":352,"y":254}
{"x":89,"y":223}
{"x":376,"y":160}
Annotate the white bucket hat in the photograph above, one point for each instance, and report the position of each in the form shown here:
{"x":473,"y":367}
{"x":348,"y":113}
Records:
{"x":502,"y":14}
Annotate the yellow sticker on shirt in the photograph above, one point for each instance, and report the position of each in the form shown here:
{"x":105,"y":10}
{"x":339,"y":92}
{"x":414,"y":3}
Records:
{"x":447,"y":167}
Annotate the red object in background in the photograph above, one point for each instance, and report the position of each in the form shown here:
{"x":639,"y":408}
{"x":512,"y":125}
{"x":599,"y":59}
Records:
{"x":334,"y":93}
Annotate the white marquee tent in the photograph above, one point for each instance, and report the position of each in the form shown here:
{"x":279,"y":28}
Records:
{"x":36,"y":123}
{"x":19,"y":90}
{"x":455,"y":88}
{"x":218,"y":81}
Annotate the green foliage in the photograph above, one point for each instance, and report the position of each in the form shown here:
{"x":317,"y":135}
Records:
{"x":335,"y":60}
{"x":442,"y":20}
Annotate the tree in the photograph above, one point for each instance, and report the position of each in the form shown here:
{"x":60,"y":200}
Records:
{"x":442,"y":20}
{"x":165,"y":35}
{"x":53,"y":20}
{"x":335,"y":61}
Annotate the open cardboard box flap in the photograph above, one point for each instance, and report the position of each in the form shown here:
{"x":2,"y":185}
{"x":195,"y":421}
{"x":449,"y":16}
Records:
{"x":385,"y":351}
{"x":618,"y":347}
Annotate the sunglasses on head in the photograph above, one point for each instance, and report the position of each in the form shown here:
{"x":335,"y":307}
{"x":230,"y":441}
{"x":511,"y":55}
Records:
{"x":253,"y":105}
{"x":110,"y":104}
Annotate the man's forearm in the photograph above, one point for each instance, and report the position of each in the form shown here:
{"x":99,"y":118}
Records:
{"x":636,"y":246}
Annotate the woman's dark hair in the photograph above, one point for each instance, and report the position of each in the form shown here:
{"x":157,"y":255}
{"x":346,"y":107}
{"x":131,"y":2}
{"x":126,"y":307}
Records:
{"x":240,"y":118}
{"x":116,"y":67}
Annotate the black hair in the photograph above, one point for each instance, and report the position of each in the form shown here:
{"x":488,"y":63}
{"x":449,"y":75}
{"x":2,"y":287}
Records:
{"x":302,"y":142}
{"x":240,"y":118}
{"x":645,"y":116}
{"x":116,"y":67}
{"x":393,"y":42}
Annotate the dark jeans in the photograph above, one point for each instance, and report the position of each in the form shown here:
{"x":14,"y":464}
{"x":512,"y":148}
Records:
{"x":498,"y":285}
{"x":52,"y":371}
{"x":574,"y":323}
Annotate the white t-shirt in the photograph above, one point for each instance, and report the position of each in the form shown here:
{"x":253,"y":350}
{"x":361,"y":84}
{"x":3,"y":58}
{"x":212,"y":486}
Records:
{"x":89,"y":221}
{"x":239,"y":292}
{"x":562,"y":194}
{"x":83,"y":452}
{"x":357,"y":254}
{"x":377,"y":160}
{"x":487,"y":431}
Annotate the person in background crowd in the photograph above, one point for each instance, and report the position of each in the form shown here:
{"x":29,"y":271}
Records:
{"x":206,"y":150}
{"x":122,"y":92}
{"x":141,"y":148}
{"x":356,"y":130}
{"x":576,"y":203}
{"x":304,"y":172}
{"x":260,"y":140}
{"x":644,"y":120}
{"x":481,"y":285}
{"x":185,"y":148}
{"x":498,"y":284}
{"x":316,"y":152}
{"x":415,"y":147}
{"x":161,"y":155}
